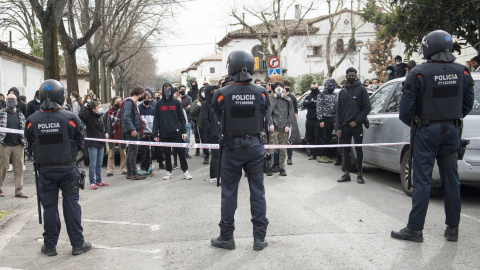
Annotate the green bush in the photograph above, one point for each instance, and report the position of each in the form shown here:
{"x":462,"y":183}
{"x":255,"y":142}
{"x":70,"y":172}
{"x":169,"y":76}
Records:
{"x":303,"y":82}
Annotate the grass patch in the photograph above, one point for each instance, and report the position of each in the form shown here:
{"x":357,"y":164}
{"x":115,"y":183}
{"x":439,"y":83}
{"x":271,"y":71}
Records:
{"x":3,"y":213}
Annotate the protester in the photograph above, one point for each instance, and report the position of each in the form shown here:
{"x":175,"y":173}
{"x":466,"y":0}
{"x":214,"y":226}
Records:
{"x":366,"y":83}
{"x":410,"y":65}
{"x":147,"y":112}
{"x":375,"y":84}
{"x":391,"y":73}
{"x":210,"y":129}
{"x":92,"y":115}
{"x":196,"y":114}
{"x":169,"y":126}
{"x":131,"y":128}
{"x":258,"y":82}
{"x":12,"y":145}
{"x":34,"y":105}
{"x":326,"y":102}
{"x":399,"y":68}
{"x":187,"y":105}
{"x":22,"y":107}
{"x":76,"y":101}
{"x":152,"y":100}
{"x":112,"y":124}
{"x":312,"y":125}
{"x":476,"y":63}
{"x":2,"y":101}
{"x":288,"y":86}
{"x":353,"y":106}
{"x":194,"y":93}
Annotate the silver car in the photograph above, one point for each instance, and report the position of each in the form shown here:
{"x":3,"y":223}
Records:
{"x":386,"y":127}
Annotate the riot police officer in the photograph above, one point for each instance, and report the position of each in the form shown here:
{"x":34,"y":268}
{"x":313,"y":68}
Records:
{"x":437,"y":94}
{"x":241,"y":108}
{"x":55,"y":137}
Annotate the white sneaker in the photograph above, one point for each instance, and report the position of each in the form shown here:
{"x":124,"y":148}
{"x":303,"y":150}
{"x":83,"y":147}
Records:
{"x":10,"y":168}
{"x":168,"y":176}
{"x":187,"y":176}
{"x":213,"y":180}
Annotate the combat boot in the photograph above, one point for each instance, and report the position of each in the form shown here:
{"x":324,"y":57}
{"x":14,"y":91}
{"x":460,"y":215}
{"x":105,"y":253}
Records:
{"x":283,"y":172}
{"x":289,"y":161}
{"x":269,"y":171}
{"x":451,"y":233}
{"x":206,"y":160}
{"x":219,"y":242}
{"x":48,"y":251}
{"x":259,"y":244}
{"x":408,"y":234}
{"x":81,"y":249}
{"x":197,"y":152}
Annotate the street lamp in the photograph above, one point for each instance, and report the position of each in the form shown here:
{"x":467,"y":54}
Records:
{"x":358,"y":46}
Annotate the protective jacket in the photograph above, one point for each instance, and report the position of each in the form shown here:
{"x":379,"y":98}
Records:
{"x":245,"y":107}
{"x":55,"y":137}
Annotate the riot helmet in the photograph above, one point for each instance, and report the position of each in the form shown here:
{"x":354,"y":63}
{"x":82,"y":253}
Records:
{"x":436,"y":42}
{"x":52,"y":95}
{"x":240,"y":65}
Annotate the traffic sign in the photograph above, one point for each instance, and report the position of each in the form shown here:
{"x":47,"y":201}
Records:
{"x":274,"y":71}
{"x":274,"y":62}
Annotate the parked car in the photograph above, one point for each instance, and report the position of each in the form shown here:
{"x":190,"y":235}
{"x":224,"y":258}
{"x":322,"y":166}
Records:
{"x":386,"y":127}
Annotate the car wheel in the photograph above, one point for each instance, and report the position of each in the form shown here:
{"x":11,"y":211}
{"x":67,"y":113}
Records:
{"x":404,"y":174}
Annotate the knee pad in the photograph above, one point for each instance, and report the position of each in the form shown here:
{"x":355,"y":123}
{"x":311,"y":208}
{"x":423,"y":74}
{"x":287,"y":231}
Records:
{"x":254,"y":169}
{"x":448,"y":159}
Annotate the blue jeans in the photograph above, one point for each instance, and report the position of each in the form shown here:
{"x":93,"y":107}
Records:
{"x":96,"y":161}
{"x":189,"y":132}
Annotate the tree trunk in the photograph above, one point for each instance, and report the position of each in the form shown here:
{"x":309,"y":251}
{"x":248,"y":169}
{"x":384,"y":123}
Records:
{"x":71,"y":71}
{"x":103,"y":81}
{"x":50,"y":50}
{"x":93,"y":66}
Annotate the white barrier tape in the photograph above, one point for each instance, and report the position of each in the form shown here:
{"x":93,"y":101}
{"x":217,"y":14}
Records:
{"x":11,"y":130}
{"x":269,"y":146}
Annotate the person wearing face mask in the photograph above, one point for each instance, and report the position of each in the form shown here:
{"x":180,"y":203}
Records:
{"x":476,"y":63}
{"x":33,"y":106}
{"x":391,"y":73}
{"x":76,"y":102}
{"x":288,"y":86}
{"x":169,"y":125}
{"x":278,"y":118}
{"x":12,"y":145}
{"x":399,"y":68}
{"x":375,"y":84}
{"x":20,"y":105}
{"x":312,"y":125}
{"x":147,"y":112}
{"x":92,"y":116}
{"x":326,"y":101}
{"x":353,"y":106}
{"x":210,"y":129}
{"x":112,"y":125}
{"x":187,"y":106}
{"x":196,"y":114}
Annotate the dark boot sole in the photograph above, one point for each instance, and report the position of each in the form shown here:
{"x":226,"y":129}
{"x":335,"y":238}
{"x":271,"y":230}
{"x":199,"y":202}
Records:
{"x":261,"y":247}
{"x":450,"y":238}
{"x":224,"y":246}
{"x":406,"y":237}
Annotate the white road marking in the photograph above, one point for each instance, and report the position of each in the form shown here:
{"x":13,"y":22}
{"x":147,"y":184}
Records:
{"x":7,"y":268}
{"x":394,"y":189}
{"x":154,"y":227}
{"x":153,"y":251}
{"x":470,"y":217}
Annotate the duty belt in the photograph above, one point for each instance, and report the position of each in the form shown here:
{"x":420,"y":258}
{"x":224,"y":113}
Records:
{"x":447,"y":122}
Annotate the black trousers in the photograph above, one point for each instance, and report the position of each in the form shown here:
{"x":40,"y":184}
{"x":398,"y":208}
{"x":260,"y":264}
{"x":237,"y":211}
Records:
{"x":146,"y":153}
{"x":347,"y":134}
{"x":312,"y":131}
{"x":206,"y":151}
{"x":325,"y":135}
{"x":180,"y":152}
{"x":132,"y":152}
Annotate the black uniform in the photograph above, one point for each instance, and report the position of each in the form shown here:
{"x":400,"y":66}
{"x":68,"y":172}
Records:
{"x":55,"y":137}
{"x":244,"y":105}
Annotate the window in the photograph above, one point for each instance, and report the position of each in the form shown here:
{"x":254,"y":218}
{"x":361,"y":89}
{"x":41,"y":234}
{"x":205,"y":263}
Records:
{"x":340,"y":47}
{"x":315,"y":51}
{"x":212,"y":70}
{"x":378,"y":99}
{"x":394,"y":104}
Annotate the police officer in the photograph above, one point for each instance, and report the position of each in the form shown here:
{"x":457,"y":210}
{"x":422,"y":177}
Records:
{"x":438,"y":94}
{"x":55,"y":137}
{"x":241,"y":107}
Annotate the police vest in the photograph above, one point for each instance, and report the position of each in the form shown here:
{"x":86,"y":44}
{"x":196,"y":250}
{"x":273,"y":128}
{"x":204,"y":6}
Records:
{"x":443,"y":96}
{"x":243,"y":115}
{"x":53,"y":145}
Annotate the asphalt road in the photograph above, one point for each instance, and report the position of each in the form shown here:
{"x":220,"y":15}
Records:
{"x":315,"y":223}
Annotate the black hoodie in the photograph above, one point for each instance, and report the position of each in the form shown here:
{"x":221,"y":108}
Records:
{"x":193,"y":93}
{"x":310,"y":103}
{"x":209,"y":120}
{"x":353,"y":105}
{"x":169,"y":120}
{"x":20,"y":106}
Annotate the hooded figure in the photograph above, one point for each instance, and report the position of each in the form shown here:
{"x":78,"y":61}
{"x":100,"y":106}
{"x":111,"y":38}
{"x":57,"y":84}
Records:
{"x":169,"y":120}
{"x":153,"y":100}
{"x":20,"y":106}
{"x":209,"y":121}
{"x":193,"y":93}
{"x":294,"y":135}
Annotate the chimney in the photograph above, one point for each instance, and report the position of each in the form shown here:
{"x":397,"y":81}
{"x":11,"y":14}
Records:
{"x":297,"y":13}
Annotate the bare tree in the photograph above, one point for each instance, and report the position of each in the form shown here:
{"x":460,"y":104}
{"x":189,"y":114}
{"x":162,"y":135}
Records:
{"x":335,"y":12}
{"x":273,"y":18}
{"x":70,"y":44}
{"x":50,"y":19}
{"x":20,"y":16}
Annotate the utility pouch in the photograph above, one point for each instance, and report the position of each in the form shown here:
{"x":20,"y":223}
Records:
{"x":462,"y":148}
{"x":81,"y":180}
{"x":263,"y":137}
